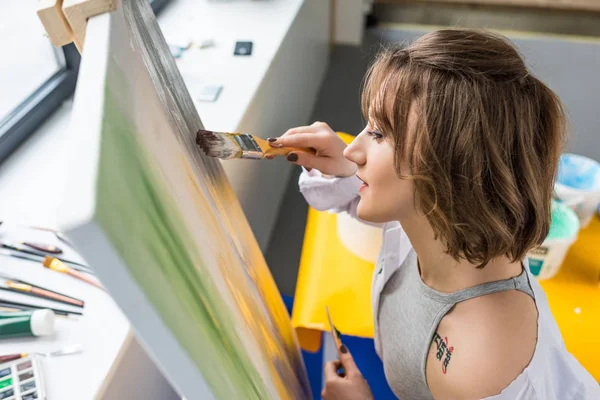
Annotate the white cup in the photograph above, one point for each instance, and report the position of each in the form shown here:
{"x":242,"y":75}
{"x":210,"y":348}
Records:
{"x":361,"y":239}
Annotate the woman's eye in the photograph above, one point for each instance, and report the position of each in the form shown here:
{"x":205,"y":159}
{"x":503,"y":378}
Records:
{"x":375,"y":135}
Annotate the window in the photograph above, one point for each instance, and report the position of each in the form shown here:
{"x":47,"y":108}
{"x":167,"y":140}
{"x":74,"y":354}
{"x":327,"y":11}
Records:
{"x":35,"y":77}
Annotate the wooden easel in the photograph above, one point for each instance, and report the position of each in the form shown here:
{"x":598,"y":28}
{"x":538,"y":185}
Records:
{"x":65,"y":20}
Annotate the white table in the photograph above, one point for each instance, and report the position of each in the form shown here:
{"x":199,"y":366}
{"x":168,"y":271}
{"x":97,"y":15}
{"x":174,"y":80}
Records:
{"x":264,"y":94}
{"x":101,"y":331}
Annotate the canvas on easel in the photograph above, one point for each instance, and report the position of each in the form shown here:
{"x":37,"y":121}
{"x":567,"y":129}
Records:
{"x":161,"y":226}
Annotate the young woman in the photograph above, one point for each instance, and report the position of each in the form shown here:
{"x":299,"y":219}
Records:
{"x":457,"y":162}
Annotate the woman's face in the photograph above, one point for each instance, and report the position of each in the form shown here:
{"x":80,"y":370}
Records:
{"x":384,"y":196}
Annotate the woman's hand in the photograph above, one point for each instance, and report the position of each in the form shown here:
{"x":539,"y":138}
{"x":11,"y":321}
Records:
{"x":351,"y":385}
{"x":329,"y":157}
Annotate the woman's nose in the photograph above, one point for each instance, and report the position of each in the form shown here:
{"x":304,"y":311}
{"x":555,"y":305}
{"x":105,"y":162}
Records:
{"x":355,"y":152}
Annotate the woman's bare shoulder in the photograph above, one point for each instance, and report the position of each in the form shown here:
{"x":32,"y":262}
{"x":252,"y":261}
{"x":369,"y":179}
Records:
{"x":482,"y":345}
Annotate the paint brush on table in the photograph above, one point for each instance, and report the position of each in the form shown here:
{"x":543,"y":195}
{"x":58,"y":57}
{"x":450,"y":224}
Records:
{"x":14,"y":305}
{"x":227,"y":146}
{"x":19,"y":286}
{"x":57,"y":265}
{"x":65,"y":351}
{"x":46,"y":248}
{"x":40,"y":254}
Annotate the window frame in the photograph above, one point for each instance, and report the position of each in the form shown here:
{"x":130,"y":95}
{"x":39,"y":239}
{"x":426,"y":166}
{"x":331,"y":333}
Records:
{"x":24,"y":120}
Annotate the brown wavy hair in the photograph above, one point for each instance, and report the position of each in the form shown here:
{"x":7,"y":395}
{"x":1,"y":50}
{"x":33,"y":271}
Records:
{"x":486,"y":142}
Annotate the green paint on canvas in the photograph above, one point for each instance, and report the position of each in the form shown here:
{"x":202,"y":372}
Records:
{"x":143,"y":222}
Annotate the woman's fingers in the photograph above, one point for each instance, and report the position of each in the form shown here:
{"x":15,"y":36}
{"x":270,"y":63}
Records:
{"x":294,"y":131}
{"x":347,"y":361}
{"x":301,"y":129}
{"x":330,"y":370}
{"x":306,"y":160}
{"x":307,"y":140}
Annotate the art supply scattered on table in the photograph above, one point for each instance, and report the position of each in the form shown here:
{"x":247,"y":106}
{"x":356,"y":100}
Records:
{"x":578,"y":185}
{"x":22,"y":249}
{"x":37,"y":259}
{"x":57,"y":265}
{"x":177,"y":51}
{"x":243,"y":49}
{"x":227,"y":146}
{"x":26,"y":323}
{"x":22,"y":379}
{"x":545,"y":260}
{"x":18,"y":306}
{"x":59,"y":235}
{"x":65,"y":351}
{"x":46,"y":248}
{"x":22,"y":256}
{"x":208,"y":93}
{"x":17,"y":285}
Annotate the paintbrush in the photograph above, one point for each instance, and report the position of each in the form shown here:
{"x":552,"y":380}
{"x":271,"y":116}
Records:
{"x":66,"y":351}
{"x":227,"y":146}
{"x":24,"y":306}
{"x":44,"y":247}
{"x":55,"y":264}
{"x":36,"y":259}
{"x":20,"y":286}
{"x":42,"y":254}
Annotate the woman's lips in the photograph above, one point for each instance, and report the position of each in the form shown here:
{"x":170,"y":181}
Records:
{"x":364,"y":184}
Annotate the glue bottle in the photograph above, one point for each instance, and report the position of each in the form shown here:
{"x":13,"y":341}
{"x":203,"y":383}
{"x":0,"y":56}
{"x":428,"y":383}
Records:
{"x":26,"y":323}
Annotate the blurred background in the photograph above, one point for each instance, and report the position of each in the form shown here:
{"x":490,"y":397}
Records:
{"x":560,"y":41}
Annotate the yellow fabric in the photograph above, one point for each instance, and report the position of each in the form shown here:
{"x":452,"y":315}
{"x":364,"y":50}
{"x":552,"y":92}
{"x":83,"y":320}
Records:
{"x":574,"y":297}
{"x":332,"y":276}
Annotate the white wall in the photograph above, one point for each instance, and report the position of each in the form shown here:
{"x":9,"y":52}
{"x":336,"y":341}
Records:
{"x":285,"y":99}
{"x":348,"y":21}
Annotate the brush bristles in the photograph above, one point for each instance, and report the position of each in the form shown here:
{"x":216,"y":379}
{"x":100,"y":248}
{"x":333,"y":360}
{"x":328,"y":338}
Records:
{"x":218,"y":144}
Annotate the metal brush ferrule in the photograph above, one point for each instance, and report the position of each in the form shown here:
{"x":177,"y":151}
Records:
{"x":250,"y":149}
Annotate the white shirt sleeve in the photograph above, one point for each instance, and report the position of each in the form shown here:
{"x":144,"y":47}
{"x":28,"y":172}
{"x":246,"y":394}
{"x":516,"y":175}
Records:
{"x":334,"y":194}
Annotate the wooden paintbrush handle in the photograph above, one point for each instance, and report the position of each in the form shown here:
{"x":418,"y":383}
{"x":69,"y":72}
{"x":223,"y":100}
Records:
{"x":56,"y":296}
{"x":284,"y":151}
{"x":80,"y":276}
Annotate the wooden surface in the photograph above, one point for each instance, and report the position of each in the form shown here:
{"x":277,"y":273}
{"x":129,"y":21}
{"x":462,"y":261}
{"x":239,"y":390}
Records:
{"x":584,"y":5}
{"x":54,"y":21}
{"x":77,"y":13}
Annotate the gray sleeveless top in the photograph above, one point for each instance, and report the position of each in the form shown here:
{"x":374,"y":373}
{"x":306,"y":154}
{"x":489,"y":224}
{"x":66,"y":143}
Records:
{"x":407,"y":319}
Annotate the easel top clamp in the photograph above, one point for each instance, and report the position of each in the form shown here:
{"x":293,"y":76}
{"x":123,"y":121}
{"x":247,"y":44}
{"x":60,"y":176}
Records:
{"x":65,"y":20}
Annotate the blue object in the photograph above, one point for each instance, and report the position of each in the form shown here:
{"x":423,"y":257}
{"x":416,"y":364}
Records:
{"x":578,"y":172}
{"x":370,"y":365}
